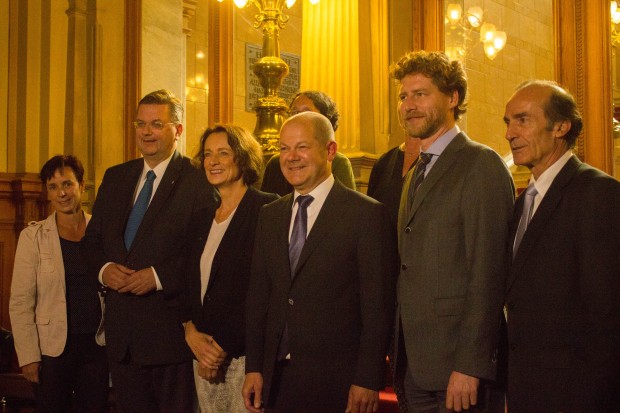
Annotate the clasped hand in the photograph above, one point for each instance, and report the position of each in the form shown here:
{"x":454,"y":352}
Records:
{"x":207,"y":351}
{"x":125,"y":280}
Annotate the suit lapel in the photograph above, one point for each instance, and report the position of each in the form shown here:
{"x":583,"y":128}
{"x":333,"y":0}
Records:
{"x":332,"y":209}
{"x":127,"y":192}
{"x":282,"y":233}
{"x":541,"y":218}
{"x":446,"y":160}
{"x":232,"y":234}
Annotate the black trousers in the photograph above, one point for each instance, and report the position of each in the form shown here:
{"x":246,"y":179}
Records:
{"x":293,"y":392}
{"x":166,"y":388}
{"x":76,"y":381}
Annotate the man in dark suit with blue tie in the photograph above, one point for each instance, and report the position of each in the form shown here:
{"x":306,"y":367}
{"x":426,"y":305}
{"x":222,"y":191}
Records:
{"x":321,"y":291}
{"x":563,"y":288}
{"x":142,"y":217}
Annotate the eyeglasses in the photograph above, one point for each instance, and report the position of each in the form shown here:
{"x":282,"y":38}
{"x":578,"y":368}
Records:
{"x":155,"y":125}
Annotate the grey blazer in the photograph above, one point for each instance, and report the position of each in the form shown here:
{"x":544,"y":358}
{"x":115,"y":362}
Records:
{"x":38,"y":306}
{"x":453,"y":263}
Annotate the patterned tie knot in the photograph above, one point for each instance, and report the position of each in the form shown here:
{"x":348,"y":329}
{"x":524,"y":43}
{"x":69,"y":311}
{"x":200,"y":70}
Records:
{"x":425,"y":158}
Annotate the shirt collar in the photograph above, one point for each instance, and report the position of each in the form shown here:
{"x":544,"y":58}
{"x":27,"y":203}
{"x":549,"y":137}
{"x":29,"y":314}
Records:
{"x":320,"y":192}
{"x":159,"y":169}
{"x":443,"y":141}
{"x":544,"y":181}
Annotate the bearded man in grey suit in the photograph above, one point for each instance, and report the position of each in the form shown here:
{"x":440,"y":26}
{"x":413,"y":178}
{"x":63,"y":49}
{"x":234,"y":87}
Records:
{"x":452,"y":227}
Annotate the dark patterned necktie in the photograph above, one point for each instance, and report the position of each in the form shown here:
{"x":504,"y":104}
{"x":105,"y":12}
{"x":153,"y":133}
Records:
{"x":418,"y":177}
{"x":139,"y":209}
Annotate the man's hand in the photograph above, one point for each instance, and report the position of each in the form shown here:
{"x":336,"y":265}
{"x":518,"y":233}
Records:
{"x":115,"y":276}
{"x":208,"y":353}
{"x":31,"y":371}
{"x":462,"y":391}
{"x":362,"y":400}
{"x":253,"y":385}
{"x":140,"y":282}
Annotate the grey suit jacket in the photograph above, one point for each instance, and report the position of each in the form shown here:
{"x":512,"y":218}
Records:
{"x":563,"y":299}
{"x":453,"y":263}
{"x":339,"y":305}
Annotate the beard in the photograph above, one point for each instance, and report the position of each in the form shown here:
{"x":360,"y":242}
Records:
{"x":433,"y":121}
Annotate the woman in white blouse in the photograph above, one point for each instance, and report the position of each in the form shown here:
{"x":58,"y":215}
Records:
{"x":218,"y":269}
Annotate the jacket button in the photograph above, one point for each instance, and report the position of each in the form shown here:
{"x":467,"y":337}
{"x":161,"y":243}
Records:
{"x":290,"y":301}
{"x":403,"y":267}
{"x":513,"y":346}
{"x":407,"y":230}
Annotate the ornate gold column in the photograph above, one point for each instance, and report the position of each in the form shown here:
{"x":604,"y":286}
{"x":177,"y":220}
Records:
{"x":270,"y":70}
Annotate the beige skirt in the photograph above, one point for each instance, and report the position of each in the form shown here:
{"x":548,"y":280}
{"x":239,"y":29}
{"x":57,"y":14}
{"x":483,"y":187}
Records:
{"x":224,"y":393}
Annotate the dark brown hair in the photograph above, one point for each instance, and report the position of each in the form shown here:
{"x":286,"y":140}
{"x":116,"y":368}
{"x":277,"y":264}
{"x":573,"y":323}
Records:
{"x":165,"y":97}
{"x":247,"y":151}
{"x":57,"y":163}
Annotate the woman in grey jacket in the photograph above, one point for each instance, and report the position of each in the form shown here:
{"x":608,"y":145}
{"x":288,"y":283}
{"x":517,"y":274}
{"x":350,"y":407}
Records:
{"x":54,"y":305}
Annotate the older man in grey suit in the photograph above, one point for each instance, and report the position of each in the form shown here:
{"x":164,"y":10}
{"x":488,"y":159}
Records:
{"x":453,"y":223}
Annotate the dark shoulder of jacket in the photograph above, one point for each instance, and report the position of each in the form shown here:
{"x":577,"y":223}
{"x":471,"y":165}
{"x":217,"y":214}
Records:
{"x":264,"y":197}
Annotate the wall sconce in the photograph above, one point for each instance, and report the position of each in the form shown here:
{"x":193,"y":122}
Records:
{"x":615,"y":19}
{"x":493,"y":40}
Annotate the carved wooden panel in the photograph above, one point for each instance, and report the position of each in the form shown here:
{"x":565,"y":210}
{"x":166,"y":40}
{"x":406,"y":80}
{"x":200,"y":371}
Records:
{"x":22,"y":199}
{"x":583,"y":65}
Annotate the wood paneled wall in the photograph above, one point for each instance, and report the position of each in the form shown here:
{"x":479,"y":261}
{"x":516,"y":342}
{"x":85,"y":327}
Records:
{"x":22,"y":199}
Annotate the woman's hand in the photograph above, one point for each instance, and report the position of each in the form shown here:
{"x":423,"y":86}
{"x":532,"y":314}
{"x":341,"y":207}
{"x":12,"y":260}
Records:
{"x":207,"y":374}
{"x":208,"y":353}
{"x":31,"y":371}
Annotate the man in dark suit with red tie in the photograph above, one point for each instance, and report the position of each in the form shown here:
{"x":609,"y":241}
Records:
{"x":562,"y":292}
{"x":318,"y":308}
{"x":142,"y":217}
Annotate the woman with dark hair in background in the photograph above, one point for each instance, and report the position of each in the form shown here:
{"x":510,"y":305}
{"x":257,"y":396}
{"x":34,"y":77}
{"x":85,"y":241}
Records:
{"x":54,"y":306}
{"x":219,"y":267}
{"x":309,"y":101}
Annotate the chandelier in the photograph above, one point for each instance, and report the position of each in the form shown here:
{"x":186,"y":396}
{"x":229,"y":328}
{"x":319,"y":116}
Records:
{"x":466,"y":27}
{"x":270,"y":69}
